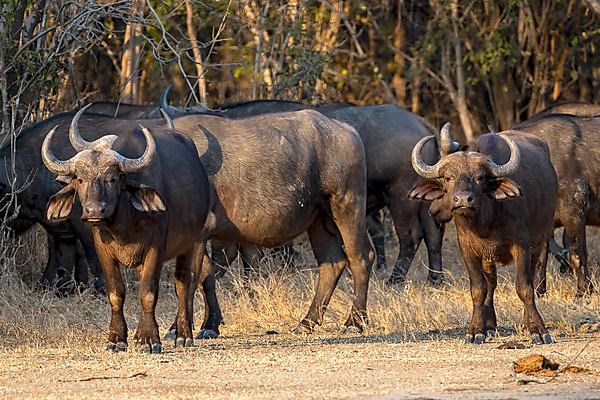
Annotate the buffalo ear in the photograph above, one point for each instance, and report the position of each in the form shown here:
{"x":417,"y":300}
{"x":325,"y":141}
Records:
{"x":60,"y":204}
{"x":504,"y":188}
{"x":144,"y":198}
{"x":428,"y":190}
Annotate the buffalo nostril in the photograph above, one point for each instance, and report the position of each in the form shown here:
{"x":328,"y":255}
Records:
{"x":455,"y":199}
{"x":470,"y":199}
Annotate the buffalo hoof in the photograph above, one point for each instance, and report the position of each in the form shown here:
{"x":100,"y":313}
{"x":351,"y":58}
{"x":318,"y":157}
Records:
{"x":156,"y":348}
{"x":543,"y":339}
{"x":171,"y":335}
{"x":116,"y":347}
{"x":479,"y":338}
{"x":181,"y":342}
{"x":207,"y":334}
{"x":351,"y":330}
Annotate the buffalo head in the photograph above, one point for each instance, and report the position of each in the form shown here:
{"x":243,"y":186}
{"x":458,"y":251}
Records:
{"x":98,"y":175}
{"x":458,"y":182}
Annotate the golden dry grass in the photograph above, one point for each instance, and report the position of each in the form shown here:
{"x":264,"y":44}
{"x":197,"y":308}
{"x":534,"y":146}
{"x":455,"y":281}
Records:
{"x":279,"y":297}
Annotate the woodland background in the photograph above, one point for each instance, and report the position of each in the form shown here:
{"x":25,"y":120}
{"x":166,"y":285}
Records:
{"x":482,"y":64}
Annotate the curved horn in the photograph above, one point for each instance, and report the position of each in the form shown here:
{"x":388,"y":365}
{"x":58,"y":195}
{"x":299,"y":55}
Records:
{"x":447,"y":143}
{"x":511,"y":165}
{"x":55,"y":165}
{"x":426,"y":171}
{"x":131,"y":165}
{"x":75,"y":138}
{"x":168,"y":119}
{"x":164,"y":102}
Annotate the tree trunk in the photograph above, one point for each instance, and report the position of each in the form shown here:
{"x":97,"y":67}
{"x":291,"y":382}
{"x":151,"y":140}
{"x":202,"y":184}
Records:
{"x":132,"y":44}
{"x":191,"y":31}
{"x":398,"y":81}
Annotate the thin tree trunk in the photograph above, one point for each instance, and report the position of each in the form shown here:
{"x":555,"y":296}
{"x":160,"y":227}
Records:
{"x":398,"y":81}
{"x":191,"y":31}
{"x":130,"y":83}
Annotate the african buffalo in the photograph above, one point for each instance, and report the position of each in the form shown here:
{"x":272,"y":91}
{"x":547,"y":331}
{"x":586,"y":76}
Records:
{"x":501,"y":213}
{"x":388,"y":133}
{"x":32,"y":185}
{"x":574,"y":144}
{"x":141,"y":213}
{"x":277,"y":176}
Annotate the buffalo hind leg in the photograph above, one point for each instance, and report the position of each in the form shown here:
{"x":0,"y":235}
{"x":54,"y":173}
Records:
{"x":349,"y":215}
{"x":146,"y":334}
{"x":326,"y":246}
{"x":575,"y":232}
{"x":532,"y":319}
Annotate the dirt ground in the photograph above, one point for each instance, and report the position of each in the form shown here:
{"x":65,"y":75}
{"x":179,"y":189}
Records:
{"x":283,"y":366}
{"x":53,"y":348}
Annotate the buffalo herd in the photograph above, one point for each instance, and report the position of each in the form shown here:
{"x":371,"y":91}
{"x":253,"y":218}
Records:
{"x":134,"y":186}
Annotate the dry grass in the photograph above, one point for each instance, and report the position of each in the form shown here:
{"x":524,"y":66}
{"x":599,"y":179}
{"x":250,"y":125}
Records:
{"x":279,"y":297}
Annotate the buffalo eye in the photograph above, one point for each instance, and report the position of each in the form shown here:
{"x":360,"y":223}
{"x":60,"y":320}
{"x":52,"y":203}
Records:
{"x":111,"y":179}
{"x":79,"y":180}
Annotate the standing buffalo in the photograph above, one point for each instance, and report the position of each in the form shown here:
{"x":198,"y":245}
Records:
{"x":388,"y":134}
{"x":142,"y":209}
{"x":501,"y":212}
{"x":29,"y":185}
{"x":574,"y":144}
{"x":276,"y":176}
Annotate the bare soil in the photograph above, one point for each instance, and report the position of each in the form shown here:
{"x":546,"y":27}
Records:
{"x":284,"y":366}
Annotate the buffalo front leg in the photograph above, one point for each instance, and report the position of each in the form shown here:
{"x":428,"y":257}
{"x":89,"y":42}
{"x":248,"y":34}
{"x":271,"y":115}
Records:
{"x":147,"y":331}
{"x":376,"y":230}
{"x":532,"y":319}
{"x":479,"y":294}
{"x":489,"y":312}
{"x":560,"y":253}
{"x":183,"y":281}
{"x":406,"y":223}
{"x":433,"y":234}
{"x":326,"y":246}
{"x":539,"y":261}
{"x":115,"y":289}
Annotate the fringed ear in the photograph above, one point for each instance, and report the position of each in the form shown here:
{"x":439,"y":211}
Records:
{"x":504,"y":188}
{"x":428,"y":190}
{"x":145,"y":199}
{"x":60,"y":205}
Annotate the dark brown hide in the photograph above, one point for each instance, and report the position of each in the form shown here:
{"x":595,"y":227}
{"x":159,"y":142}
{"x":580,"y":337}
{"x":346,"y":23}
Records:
{"x":139,"y":220}
{"x":276,"y":176}
{"x":499,"y":219}
{"x":574,"y":144}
